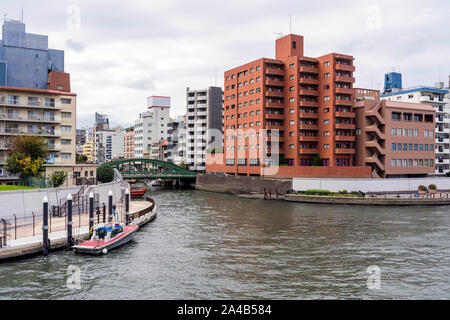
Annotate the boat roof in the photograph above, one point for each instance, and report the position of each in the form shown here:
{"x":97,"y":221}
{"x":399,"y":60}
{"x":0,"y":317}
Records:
{"x":106,"y":228}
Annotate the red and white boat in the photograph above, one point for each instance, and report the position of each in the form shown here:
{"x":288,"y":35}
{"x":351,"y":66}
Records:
{"x":106,"y":238}
{"x":137,"y":191}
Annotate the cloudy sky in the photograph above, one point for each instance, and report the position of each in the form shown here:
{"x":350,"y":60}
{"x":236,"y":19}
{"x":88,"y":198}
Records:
{"x":121,"y":52}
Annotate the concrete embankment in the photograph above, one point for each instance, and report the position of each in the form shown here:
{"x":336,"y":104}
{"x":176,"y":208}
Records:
{"x":367,"y":201}
{"x":241,"y":184}
{"x":141,"y":213}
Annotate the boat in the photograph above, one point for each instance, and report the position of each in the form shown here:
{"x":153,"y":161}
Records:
{"x":155,"y":183}
{"x":106,"y":238}
{"x":137,"y":191}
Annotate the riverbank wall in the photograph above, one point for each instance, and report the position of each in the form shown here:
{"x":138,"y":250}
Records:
{"x":241,"y":184}
{"x":23,"y":202}
{"x":369,"y":185}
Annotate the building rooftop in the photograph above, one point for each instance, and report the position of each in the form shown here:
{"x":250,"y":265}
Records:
{"x":415,"y":89}
{"x":409,"y":105}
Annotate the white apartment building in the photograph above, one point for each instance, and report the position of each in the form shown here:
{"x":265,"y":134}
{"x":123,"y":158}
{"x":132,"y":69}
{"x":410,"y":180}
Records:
{"x":109,"y":145}
{"x":204,"y":112}
{"x":152,"y":125}
{"x":438,"y":97}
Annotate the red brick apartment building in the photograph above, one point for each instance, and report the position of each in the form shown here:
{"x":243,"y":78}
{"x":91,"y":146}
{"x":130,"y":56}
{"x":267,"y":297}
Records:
{"x":396,"y":139}
{"x":307,"y":101}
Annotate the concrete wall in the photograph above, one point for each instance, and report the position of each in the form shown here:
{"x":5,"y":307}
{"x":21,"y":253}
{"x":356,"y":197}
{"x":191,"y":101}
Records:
{"x":23,"y":203}
{"x":239,"y":184}
{"x":368,"y":185}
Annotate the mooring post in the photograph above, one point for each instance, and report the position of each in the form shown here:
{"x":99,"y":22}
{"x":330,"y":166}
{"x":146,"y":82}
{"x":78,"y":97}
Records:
{"x":127,"y":206}
{"x":91,"y":211}
{"x":69,"y":221}
{"x":45,"y":227}
{"x":110,"y":204}
{"x":104,"y":212}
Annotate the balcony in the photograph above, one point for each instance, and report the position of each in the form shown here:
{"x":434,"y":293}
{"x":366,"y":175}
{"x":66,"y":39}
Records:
{"x":273,"y":93}
{"x":342,"y":102}
{"x":51,"y":120}
{"x":426,"y":99}
{"x":306,"y":103}
{"x":344,"y":151}
{"x":309,"y":151}
{"x":443,"y":141}
{"x":308,"y":115}
{"x":275,"y":71}
{"x":274,"y":116}
{"x":274,"y":105}
{"x":276,"y":83}
{"x":274,"y":127}
{"x":345,"y":79}
{"x":304,"y":69}
{"x":340,"y":114}
{"x":51,"y":133}
{"x":443,"y":161}
{"x":442,"y":130}
{"x":442,"y":151}
{"x":314,"y":127}
{"x":349,"y":126}
{"x":344,"y":67}
{"x":345,"y":90}
{"x":54,"y":147}
{"x":345,"y":138}
{"x":308,"y":81}
{"x":306,"y":92}
{"x":308,"y":138}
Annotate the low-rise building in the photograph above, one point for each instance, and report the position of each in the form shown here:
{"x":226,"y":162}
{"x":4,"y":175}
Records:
{"x":436,"y":97}
{"x":396,"y":139}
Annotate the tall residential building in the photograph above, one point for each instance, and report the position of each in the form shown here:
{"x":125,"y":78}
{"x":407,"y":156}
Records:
{"x":396,"y":139}
{"x":46,"y":113}
{"x":307,"y":101}
{"x":151,"y":125}
{"x":35,"y":95}
{"x":176,"y":150}
{"x":27,"y":62}
{"x":129,"y":143}
{"x":109,"y":145}
{"x":436,"y":98}
{"x":204,"y":113}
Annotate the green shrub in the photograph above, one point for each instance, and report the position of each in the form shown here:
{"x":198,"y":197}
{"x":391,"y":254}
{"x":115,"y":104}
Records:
{"x":432,"y":187}
{"x":355,"y":192}
{"x":105,"y":174}
{"x":423,"y":188}
{"x":314,"y":192}
{"x":343,"y":192}
{"x":58,"y":178}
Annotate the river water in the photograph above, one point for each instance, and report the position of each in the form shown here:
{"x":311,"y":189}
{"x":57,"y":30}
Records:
{"x":214,"y":246}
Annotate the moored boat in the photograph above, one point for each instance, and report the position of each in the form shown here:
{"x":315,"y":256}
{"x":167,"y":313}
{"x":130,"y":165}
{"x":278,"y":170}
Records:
{"x":137,"y":191}
{"x":106,"y":238}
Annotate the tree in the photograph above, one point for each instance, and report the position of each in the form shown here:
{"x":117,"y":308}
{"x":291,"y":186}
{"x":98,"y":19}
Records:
{"x":26,"y":157}
{"x":58,"y":178}
{"x":105,"y":174}
{"x":316,"y":161}
{"x":32,"y":146}
{"x":81,"y":158}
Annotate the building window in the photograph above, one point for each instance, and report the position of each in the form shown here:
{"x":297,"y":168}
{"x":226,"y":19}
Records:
{"x":66,"y":101}
{"x":326,"y":64}
{"x":291,"y":66}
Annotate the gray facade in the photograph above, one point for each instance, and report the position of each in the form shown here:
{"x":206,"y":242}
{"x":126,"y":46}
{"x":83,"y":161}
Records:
{"x":204,"y":117}
{"x":25,"y":58}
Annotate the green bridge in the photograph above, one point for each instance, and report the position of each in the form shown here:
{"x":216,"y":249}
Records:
{"x":150,"y":169}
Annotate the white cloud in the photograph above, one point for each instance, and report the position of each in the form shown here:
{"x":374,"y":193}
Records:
{"x":125,"y":51}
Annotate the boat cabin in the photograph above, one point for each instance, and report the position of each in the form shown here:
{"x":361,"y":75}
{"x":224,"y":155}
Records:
{"x":107,"y":233}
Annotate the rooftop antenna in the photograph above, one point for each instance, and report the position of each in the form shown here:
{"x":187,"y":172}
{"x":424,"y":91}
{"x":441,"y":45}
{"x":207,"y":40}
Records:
{"x":5,"y":15}
{"x":290,"y":23}
{"x":215,"y":76}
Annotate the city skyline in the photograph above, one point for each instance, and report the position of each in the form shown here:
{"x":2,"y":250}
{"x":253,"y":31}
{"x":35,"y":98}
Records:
{"x":113,"y":68}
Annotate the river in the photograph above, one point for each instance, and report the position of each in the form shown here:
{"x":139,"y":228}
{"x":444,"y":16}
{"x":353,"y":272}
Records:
{"x":215,"y":246}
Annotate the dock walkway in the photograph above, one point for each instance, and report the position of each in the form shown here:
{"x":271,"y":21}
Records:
{"x":141,"y":212}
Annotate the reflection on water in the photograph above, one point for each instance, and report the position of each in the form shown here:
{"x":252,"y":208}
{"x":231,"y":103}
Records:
{"x":206,"y":245}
